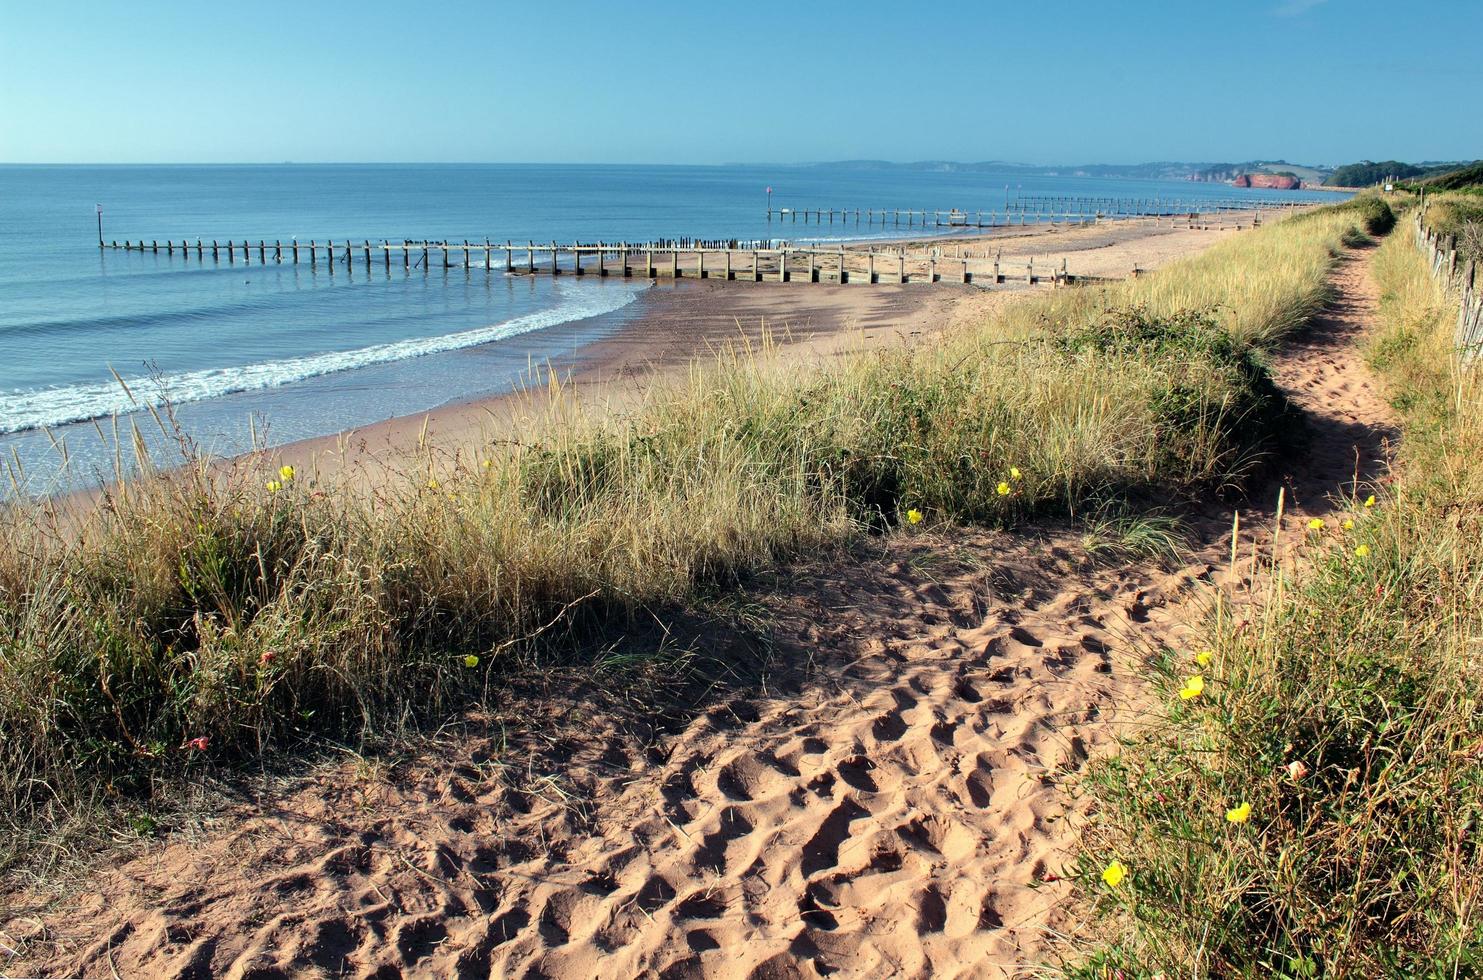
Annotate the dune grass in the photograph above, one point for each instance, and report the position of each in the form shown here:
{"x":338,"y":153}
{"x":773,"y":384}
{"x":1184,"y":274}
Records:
{"x":195,"y":618}
{"x":1344,"y":715}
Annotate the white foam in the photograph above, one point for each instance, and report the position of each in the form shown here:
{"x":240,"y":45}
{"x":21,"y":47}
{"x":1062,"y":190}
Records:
{"x":24,"y":410}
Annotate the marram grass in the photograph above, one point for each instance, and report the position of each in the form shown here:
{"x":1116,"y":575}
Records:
{"x":198,"y":616}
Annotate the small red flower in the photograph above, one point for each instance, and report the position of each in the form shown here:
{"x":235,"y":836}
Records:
{"x":268,"y":657}
{"x":199,"y":743}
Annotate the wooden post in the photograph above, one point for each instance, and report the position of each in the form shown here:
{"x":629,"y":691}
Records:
{"x":366,"y":244}
{"x":674,"y":262}
{"x":700,"y":263}
{"x":870,"y":268}
{"x":509,"y":256}
{"x":277,"y":250}
{"x":555,"y":269}
{"x":783,"y":265}
{"x":169,"y":246}
{"x":465,"y":253}
{"x":530,"y":256}
{"x":385,"y":255}
{"x":406,"y":255}
{"x":931,"y":268}
{"x":965,"y":270}
{"x":262,"y":252}
{"x":756,"y":269}
{"x":577,"y":258}
{"x":844,"y":275}
{"x":901,"y":268}
{"x":813,"y":267}
{"x":627,"y":269}
{"x":728,"y":264}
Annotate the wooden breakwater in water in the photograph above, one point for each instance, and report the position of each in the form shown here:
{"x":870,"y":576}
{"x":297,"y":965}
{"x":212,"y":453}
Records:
{"x":1037,"y":209}
{"x":1460,"y":276}
{"x":731,"y":261}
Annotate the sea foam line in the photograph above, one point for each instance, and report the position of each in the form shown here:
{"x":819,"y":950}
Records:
{"x":23,"y":410}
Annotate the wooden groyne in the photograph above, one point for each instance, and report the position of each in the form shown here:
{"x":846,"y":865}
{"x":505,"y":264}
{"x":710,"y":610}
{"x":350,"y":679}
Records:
{"x":732,"y":261}
{"x":1035,"y":209}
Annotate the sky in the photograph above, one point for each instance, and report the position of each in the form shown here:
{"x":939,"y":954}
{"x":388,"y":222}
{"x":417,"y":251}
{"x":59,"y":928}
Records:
{"x":1309,"y":81}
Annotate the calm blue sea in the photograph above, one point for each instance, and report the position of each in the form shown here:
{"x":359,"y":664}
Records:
{"x":306,"y":352}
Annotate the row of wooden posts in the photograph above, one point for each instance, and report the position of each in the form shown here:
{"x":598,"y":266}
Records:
{"x":672,"y":258}
{"x":1460,"y":275}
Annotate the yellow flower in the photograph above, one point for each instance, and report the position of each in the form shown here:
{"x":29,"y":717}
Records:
{"x":1363,"y":551}
{"x":286,"y":471}
{"x":1003,"y":489}
{"x":914,"y":516}
{"x":1316,"y":524}
{"x":1348,"y":524}
{"x":273,"y":486}
{"x":1114,"y":874}
{"x":1369,"y":501}
{"x":1194,"y":685}
{"x":471,"y":661}
{"x":1204,"y":657}
{"x":1240,"y":814}
{"x":432,"y":484}
{"x":488,"y":463}
{"x":1014,"y":472}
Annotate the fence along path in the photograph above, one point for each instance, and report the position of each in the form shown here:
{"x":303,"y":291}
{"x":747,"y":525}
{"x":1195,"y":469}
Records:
{"x":1461,"y":279}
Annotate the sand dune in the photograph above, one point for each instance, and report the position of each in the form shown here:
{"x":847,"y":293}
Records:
{"x":893,"y":802}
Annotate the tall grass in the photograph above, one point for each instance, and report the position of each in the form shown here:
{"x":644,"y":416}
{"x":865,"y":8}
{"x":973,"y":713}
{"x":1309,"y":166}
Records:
{"x":1345,"y":714}
{"x":196,"y":616}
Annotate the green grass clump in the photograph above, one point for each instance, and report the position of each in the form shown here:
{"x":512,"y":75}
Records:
{"x":1461,"y":218}
{"x":1345,"y":713}
{"x":199,"y":616}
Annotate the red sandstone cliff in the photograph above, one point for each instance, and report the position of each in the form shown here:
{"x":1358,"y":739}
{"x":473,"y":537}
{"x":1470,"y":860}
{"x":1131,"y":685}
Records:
{"x":1280,"y":182}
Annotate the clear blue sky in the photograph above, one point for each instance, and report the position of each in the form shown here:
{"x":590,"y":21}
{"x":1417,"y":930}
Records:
{"x":665,"y":81}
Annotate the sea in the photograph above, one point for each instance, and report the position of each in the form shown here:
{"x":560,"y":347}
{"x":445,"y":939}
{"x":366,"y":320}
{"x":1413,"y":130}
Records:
{"x":92,"y":339}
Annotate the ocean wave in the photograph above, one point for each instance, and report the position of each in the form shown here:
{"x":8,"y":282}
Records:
{"x":24,"y":410}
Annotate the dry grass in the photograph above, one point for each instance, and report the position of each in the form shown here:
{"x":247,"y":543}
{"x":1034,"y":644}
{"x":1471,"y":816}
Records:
{"x":197,"y":617}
